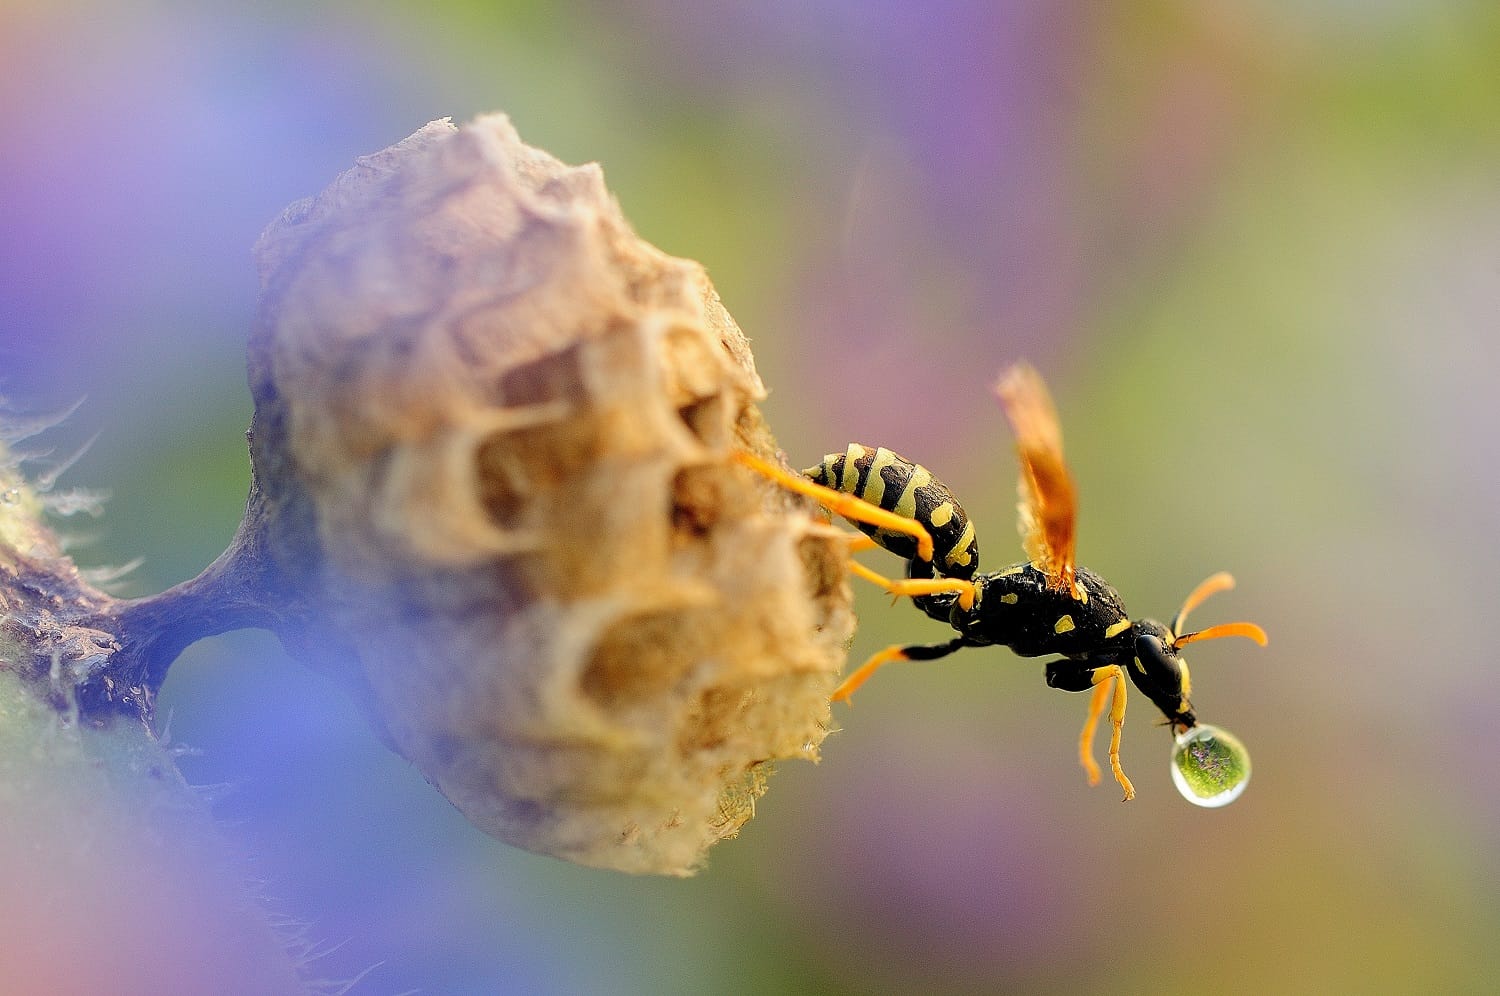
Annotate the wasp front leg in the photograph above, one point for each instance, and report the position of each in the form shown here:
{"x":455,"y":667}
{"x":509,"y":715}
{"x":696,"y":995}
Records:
{"x":1108,"y":684}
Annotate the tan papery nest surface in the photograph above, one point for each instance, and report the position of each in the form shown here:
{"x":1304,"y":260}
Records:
{"x":491,"y":451}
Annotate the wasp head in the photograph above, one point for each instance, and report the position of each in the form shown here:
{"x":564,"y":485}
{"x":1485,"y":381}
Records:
{"x":1159,"y":669}
{"x":1160,"y":672}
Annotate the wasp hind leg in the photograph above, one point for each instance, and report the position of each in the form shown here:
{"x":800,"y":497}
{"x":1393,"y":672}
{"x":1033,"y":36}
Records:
{"x":857,"y":509}
{"x":897,"y":652}
{"x":853,"y":508}
{"x":1108,"y":685}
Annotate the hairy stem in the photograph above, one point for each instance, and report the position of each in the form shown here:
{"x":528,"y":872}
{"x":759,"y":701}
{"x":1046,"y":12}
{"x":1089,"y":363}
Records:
{"x":113,"y":876}
{"x":236,"y":591}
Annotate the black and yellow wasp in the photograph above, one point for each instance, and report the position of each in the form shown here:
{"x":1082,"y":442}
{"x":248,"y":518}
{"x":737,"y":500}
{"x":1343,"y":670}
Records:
{"x":1042,"y":606}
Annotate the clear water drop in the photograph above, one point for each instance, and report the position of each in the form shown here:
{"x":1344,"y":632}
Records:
{"x":1210,"y":767}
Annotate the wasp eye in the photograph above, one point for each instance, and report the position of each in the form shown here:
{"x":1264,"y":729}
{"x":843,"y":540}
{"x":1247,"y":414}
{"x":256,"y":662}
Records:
{"x":1161,"y":666}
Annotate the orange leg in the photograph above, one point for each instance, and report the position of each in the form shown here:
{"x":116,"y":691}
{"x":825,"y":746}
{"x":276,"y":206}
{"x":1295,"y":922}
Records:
{"x":909,"y":652}
{"x":858,"y":510}
{"x":918,"y":586}
{"x":1116,"y":722}
{"x":865,"y":671}
{"x":1086,"y":738}
{"x":850,"y":507}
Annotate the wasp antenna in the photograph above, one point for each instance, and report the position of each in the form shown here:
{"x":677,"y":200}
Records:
{"x":1222,"y":581}
{"x":1248,"y":630}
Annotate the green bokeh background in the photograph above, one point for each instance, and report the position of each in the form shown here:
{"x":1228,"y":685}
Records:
{"x":1254,"y":246}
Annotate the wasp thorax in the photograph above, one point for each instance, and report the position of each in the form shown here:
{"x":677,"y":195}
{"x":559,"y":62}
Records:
{"x":490,"y":445}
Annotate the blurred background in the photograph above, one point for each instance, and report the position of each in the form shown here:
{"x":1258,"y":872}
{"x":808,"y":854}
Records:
{"x":1255,"y":248}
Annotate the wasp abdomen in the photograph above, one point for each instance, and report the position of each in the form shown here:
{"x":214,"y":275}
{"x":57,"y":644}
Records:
{"x":889,"y":480}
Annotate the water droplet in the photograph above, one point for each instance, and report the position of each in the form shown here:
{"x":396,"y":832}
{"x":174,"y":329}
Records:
{"x":10,"y":496}
{"x":1210,"y":767}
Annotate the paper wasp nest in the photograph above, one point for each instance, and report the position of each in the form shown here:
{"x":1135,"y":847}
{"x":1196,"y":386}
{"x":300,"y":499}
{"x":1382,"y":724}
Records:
{"x":491,"y":451}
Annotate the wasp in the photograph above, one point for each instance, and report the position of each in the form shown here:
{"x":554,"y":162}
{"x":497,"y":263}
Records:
{"x":1045,"y":605}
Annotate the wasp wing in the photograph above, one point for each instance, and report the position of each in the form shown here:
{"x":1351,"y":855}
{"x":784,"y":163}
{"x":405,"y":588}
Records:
{"x":1049,"y":501}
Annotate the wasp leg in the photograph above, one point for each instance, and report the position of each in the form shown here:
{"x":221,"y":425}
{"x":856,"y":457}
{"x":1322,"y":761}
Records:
{"x":1078,"y":676}
{"x":910,"y":652}
{"x":850,"y":507}
{"x":1117,"y":723}
{"x":918,"y":586}
{"x":1086,"y":738}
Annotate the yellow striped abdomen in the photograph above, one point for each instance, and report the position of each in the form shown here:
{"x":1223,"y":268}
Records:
{"x":892,"y":482}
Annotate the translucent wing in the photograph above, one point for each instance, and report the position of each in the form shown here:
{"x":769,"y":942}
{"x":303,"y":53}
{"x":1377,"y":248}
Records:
{"x":1049,"y":501}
